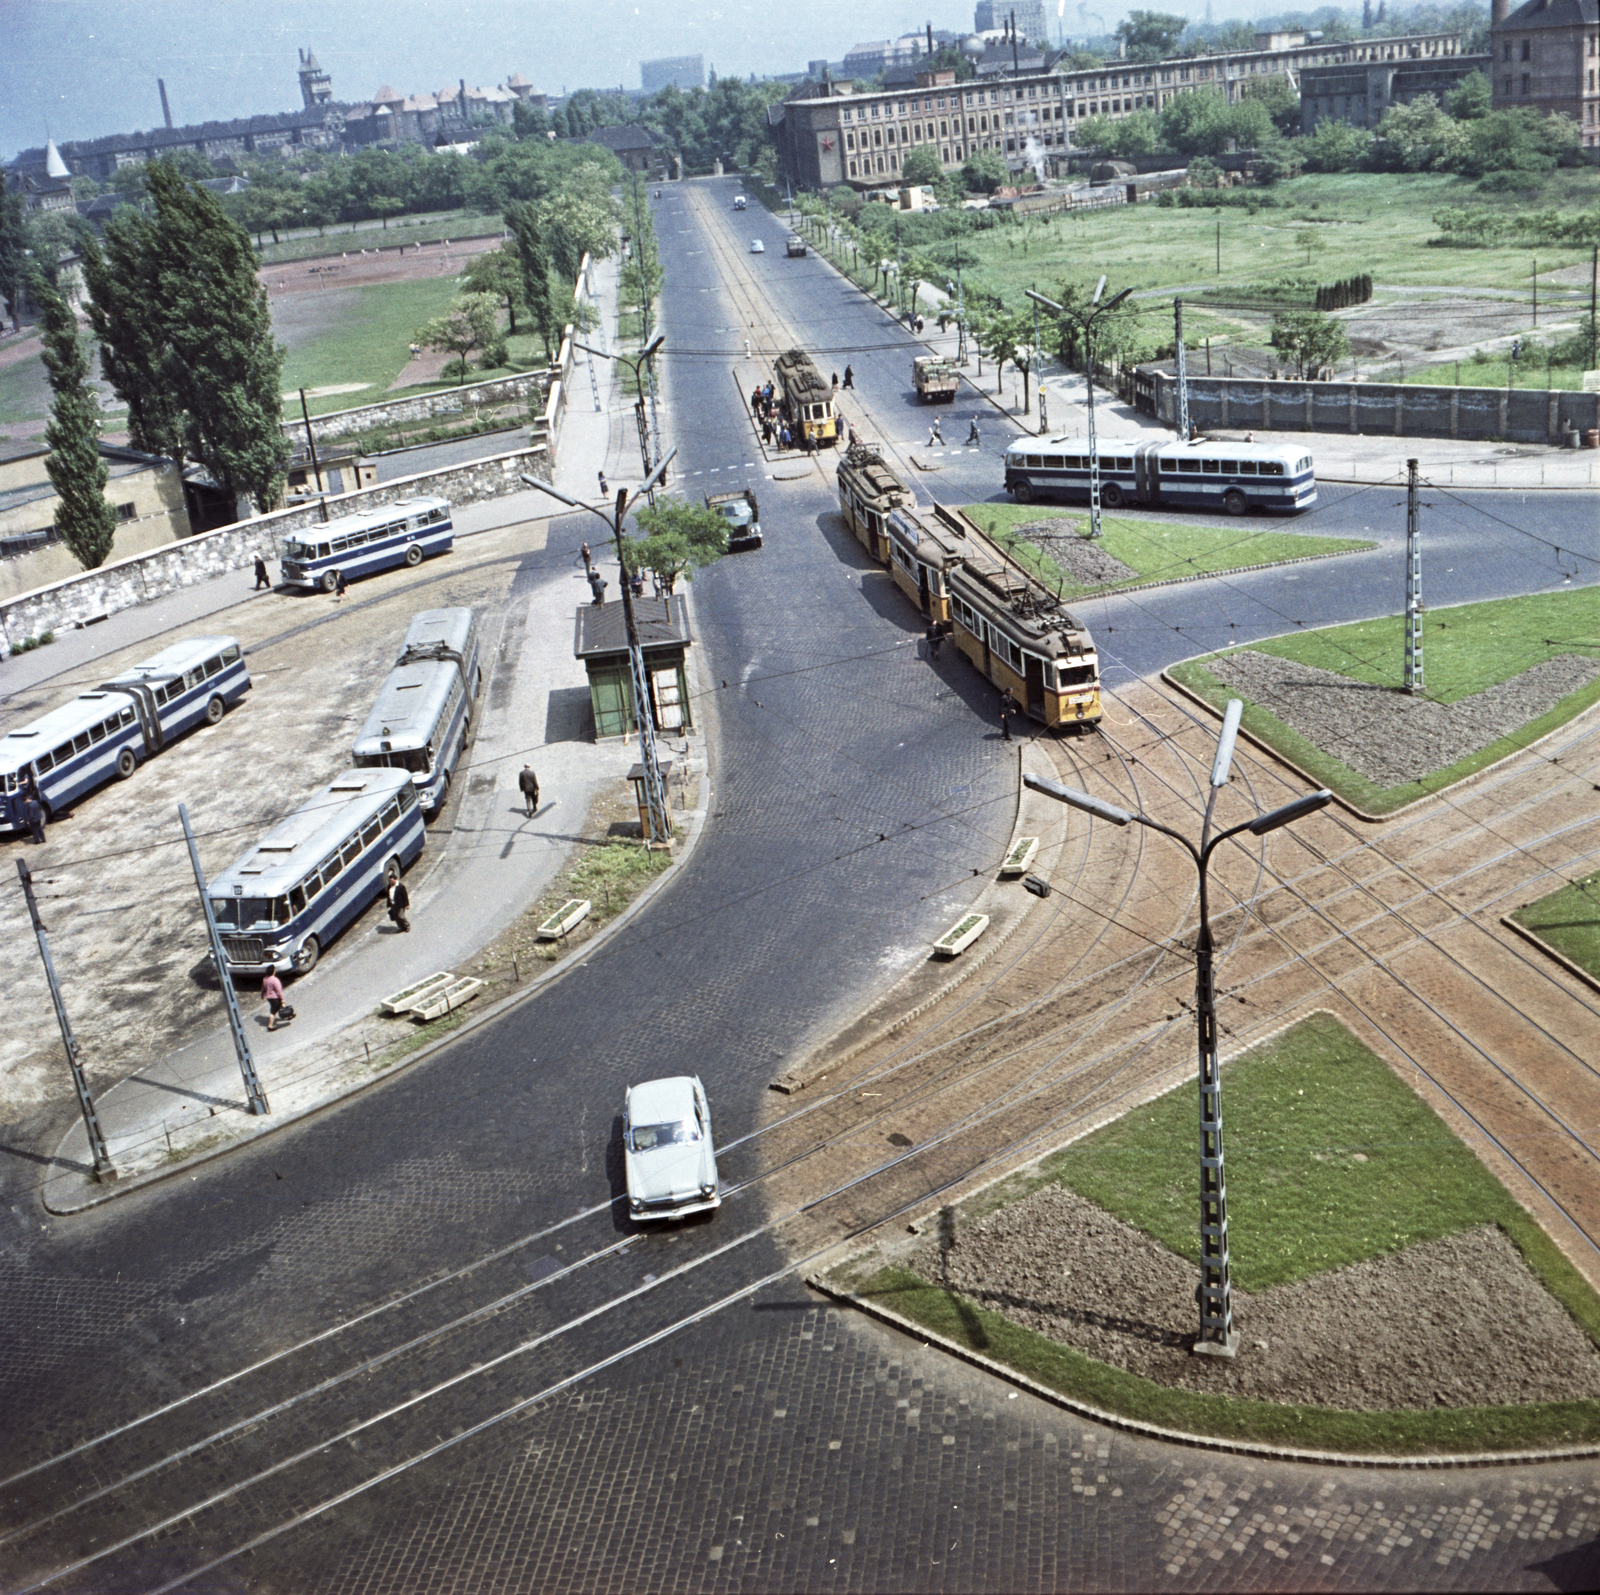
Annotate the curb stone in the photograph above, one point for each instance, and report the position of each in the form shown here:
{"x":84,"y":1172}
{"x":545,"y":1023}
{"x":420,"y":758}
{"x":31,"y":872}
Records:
{"x":1200,"y":1442}
{"x":1577,"y":971}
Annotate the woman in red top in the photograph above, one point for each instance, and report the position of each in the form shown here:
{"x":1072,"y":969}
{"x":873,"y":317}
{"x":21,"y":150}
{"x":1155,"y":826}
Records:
{"x":272,"y":995}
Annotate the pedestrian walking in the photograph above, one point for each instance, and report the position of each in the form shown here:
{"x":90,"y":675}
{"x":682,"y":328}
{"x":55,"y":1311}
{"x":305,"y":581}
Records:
{"x":934,"y":434}
{"x":272,"y":996}
{"x":605,"y":486}
{"x":836,"y":382}
{"x":636,"y":582}
{"x":1008,"y":707}
{"x":935,"y":637}
{"x":811,"y":442}
{"x":588,"y":558}
{"x":33,"y":816}
{"x":262,"y":578}
{"x":784,"y":440}
{"x":399,"y":903}
{"x":338,"y":587}
{"x":849,"y":376}
{"x":766,"y":430}
{"x":528,"y":785}
{"x":597,"y":586}
{"x":973,"y":440}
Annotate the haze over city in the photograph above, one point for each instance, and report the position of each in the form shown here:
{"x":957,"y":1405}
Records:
{"x":81,"y":68}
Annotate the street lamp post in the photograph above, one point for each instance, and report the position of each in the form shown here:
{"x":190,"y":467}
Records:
{"x":655,"y":786}
{"x":1217,"y":1337}
{"x":643,"y":358}
{"x":1086,"y":321}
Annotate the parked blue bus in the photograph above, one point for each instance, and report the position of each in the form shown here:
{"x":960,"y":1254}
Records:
{"x":403,"y":533}
{"x":1236,"y":477}
{"x":286,"y":899}
{"x":109,"y":732}
{"x":423,"y":712}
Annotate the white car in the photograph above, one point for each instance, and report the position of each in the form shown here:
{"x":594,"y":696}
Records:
{"x":757,"y":247}
{"x":667,"y":1150}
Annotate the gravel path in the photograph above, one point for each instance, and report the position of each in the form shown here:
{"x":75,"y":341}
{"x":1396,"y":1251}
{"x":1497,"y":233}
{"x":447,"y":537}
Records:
{"x":1385,"y":735}
{"x":1086,"y":563}
{"x":1454,"y":1322}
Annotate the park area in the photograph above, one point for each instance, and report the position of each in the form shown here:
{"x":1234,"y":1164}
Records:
{"x":1389,"y":1294}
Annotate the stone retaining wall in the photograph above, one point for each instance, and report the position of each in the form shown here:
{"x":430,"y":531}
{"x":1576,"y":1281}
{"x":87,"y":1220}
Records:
{"x":1392,"y":409}
{"x":528,"y":389}
{"x":97,"y":593}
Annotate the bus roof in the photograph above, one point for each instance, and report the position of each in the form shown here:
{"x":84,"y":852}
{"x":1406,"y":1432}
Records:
{"x":42,"y":735}
{"x":173,"y":661}
{"x":299,"y":843}
{"x":407,"y":707}
{"x":343,"y":525}
{"x":431,"y":627}
{"x":1169,"y":448}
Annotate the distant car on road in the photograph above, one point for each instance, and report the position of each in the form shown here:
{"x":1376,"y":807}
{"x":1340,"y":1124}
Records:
{"x":667,"y":1150}
{"x":738,"y":201}
{"x":795,"y":245}
{"x":757,"y":247}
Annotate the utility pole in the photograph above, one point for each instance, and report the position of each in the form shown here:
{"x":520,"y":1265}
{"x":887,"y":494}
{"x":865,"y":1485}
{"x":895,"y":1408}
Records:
{"x":1183,"y":374}
{"x":644,"y":315}
{"x":961,"y":314}
{"x":1413,"y":582}
{"x":103,"y":1169}
{"x":1219,"y":246}
{"x":255,"y":1097}
{"x":1536,"y":290}
{"x":311,"y":445}
{"x":1594,"y":304}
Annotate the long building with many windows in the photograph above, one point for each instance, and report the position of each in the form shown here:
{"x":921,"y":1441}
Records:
{"x":828,"y":133}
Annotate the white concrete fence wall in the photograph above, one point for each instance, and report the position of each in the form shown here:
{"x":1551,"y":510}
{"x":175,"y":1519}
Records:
{"x":81,"y":600}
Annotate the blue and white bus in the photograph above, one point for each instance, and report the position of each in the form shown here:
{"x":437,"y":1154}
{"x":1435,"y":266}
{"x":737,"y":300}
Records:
{"x":1236,"y":477}
{"x":402,"y":533}
{"x":424,"y":710}
{"x":109,"y":732}
{"x":281,"y":904}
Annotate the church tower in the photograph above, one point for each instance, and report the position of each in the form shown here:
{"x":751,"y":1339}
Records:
{"x":316,"y":87}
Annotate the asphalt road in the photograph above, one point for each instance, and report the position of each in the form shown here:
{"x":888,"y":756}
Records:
{"x":771,"y":1444}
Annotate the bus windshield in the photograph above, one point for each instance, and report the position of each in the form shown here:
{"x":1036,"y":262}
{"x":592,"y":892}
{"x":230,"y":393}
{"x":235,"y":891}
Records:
{"x":246,"y":913}
{"x":294,"y":549}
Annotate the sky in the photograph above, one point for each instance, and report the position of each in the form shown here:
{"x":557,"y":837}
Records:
{"x":82,"y":68}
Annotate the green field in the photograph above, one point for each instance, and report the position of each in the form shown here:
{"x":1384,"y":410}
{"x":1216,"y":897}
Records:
{"x":24,"y":391}
{"x":1332,"y":1160}
{"x":401,"y":230}
{"x":1466,"y":649}
{"x":1569,"y":920}
{"x":1494,"y":372}
{"x":1377,"y":223}
{"x":1155,"y":550}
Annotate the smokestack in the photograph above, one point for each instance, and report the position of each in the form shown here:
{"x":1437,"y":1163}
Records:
{"x":1498,"y":12}
{"x":463,"y":99}
{"x":930,"y":38}
{"x":166,"y":110}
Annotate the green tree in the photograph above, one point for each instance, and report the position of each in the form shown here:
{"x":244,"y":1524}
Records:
{"x":530,"y":121}
{"x":523,"y":220}
{"x":678,"y":539}
{"x":1151,"y":35}
{"x":13,"y":251}
{"x":1419,"y":137}
{"x":1310,"y":338}
{"x":498,"y":272}
{"x":186,"y":337}
{"x":1337,"y":147}
{"x":469,"y":324}
{"x":84,"y":521}
{"x":1471,"y":98}
{"x":1520,"y":141}
{"x":984,"y":171}
{"x":1119,"y":137}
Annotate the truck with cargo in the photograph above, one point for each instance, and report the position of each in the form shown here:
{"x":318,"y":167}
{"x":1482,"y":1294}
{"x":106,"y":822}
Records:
{"x":743,"y":516}
{"x":935,"y":379}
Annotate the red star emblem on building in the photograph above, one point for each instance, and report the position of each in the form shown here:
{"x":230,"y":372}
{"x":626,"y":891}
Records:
{"x":827,"y":143}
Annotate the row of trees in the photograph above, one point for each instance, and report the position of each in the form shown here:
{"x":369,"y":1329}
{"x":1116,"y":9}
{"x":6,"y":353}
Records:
{"x":1344,"y":293}
{"x":1476,"y":226}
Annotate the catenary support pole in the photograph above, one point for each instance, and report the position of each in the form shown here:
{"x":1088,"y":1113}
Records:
{"x":103,"y":1168}
{"x":311,"y":446}
{"x":255,"y":1097}
{"x":1413,"y":681}
{"x":1183,"y":373}
{"x":654,"y":787}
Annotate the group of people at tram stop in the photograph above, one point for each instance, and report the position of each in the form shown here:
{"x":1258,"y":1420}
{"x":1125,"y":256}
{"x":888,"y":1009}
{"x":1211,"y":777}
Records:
{"x":597,"y":582}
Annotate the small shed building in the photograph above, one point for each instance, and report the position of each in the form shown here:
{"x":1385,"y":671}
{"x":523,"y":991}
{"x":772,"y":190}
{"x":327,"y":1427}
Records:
{"x":664,"y":639}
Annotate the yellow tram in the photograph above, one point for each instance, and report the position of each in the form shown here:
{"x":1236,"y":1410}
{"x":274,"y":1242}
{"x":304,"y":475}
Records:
{"x":868,"y":493}
{"x":807,"y":399}
{"x":1010,"y":626}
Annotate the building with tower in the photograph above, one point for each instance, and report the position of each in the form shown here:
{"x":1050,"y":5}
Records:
{"x":989,"y":16}
{"x":316,"y":87}
{"x":1546,"y":57}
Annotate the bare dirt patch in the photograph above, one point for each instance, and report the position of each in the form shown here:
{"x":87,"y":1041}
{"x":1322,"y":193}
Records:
{"x":1455,"y":1322}
{"x":1087,"y":563}
{"x":1387,"y":736}
{"x":357,"y":268}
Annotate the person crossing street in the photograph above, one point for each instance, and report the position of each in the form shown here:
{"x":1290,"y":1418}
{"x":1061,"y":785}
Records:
{"x":528,"y":785}
{"x":934,"y":434}
{"x":973,"y":440}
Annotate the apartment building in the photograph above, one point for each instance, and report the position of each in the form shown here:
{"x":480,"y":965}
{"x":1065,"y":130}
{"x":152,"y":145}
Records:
{"x":1546,"y":57}
{"x":827,"y":133}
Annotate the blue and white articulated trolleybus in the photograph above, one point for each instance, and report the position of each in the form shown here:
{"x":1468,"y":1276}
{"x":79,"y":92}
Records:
{"x":424,"y":710}
{"x":403,"y":533}
{"x":106,"y":734}
{"x":281,"y":904}
{"x":1236,"y":477}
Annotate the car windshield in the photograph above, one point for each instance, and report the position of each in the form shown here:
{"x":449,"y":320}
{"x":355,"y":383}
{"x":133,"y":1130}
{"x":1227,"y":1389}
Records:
{"x":648,"y":1137}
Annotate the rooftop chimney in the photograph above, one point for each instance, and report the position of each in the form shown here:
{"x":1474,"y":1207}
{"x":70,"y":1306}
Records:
{"x":1498,"y":12}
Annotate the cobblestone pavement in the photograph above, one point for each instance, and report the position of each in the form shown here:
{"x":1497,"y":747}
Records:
{"x":857,"y":792}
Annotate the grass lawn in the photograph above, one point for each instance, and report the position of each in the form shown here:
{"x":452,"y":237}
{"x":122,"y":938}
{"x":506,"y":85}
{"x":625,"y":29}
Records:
{"x":1467,"y":648}
{"x":1372,"y":222}
{"x":1156,"y":550}
{"x":371,"y":345}
{"x":1569,"y":920}
{"x":25,"y":391}
{"x":1491,"y":373}
{"x":1332,"y":1159}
